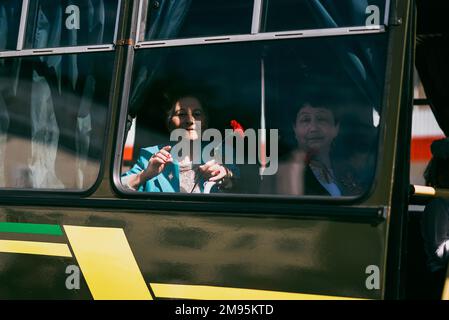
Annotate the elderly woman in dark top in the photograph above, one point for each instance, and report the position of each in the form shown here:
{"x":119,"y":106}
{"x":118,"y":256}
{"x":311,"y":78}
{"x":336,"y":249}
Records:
{"x":312,"y":167}
{"x":316,"y":127}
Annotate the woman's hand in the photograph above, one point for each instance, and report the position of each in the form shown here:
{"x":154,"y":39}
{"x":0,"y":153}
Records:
{"x":156,"y":164}
{"x":212,"y":171}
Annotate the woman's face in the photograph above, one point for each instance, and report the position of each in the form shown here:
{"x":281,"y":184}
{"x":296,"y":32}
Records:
{"x":187,"y":110}
{"x":315,"y":129}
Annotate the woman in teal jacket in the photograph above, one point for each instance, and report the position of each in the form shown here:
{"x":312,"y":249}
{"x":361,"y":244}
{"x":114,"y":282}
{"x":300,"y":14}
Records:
{"x":156,"y":169}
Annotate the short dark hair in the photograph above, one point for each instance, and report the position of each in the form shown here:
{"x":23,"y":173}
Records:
{"x":437,"y":171}
{"x":164,"y":92}
{"x":330,"y":99}
{"x":440,"y":148}
{"x":172,"y":97}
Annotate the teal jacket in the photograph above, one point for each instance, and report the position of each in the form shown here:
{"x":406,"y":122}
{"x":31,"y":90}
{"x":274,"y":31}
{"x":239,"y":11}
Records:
{"x":166,"y":181}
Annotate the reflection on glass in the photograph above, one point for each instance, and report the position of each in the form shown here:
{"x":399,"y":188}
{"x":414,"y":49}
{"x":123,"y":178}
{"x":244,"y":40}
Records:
{"x":10,"y":11}
{"x":284,"y":15}
{"x":319,"y":97}
{"x":56,"y":120}
{"x":170,"y":19}
{"x":53,"y":24}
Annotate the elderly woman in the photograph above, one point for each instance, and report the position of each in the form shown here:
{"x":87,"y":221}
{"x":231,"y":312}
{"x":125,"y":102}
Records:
{"x":158,"y":171}
{"x":316,"y":128}
{"x":312,"y":167}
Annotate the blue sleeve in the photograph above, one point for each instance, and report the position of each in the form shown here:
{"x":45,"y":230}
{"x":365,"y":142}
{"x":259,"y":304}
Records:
{"x":142,"y":162}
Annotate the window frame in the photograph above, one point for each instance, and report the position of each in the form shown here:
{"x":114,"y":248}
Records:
{"x":255,"y":34}
{"x":11,"y":191}
{"x":24,"y":6}
{"x":21,"y":52}
{"x":24,"y":53}
{"x":210,"y":199}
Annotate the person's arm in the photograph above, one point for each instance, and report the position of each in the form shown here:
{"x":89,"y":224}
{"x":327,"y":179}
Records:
{"x":134,"y":181}
{"x":131,"y":179}
{"x":140,"y":175}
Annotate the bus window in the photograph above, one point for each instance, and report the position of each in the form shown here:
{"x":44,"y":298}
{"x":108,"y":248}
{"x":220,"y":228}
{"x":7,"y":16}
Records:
{"x":284,"y":15}
{"x":258,"y":89}
{"x":52,"y":120}
{"x":425,"y":130}
{"x":52,"y":24}
{"x":9,"y":24}
{"x":175,"y":19}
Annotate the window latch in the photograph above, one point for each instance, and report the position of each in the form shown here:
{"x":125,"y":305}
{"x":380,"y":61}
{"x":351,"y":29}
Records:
{"x":124,"y":42}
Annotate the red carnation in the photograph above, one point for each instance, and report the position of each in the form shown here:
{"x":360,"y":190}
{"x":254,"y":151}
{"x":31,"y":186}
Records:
{"x":237,"y":127}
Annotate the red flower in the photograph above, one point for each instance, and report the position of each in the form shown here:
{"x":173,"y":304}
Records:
{"x":237,"y":127}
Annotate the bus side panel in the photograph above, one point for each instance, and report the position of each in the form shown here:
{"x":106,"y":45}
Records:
{"x":285,"y":255}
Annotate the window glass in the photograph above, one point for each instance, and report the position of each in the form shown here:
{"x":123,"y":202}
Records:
{"x":171,"y":19}
{"x":52,"y":120}
{"x":318,"y":102}
{"x":284,"y":15}
{"x":10,"y":11}
{"x":70,"y":23}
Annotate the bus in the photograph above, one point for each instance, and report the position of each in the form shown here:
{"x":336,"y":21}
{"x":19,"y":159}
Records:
{"x":84,"y":91}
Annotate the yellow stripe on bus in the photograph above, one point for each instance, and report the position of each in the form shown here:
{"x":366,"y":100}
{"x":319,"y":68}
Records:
{"x":31,"y":247}
{"x":197,"y":292}
{"x":445,"y":295}
{"x":107,"y":263}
